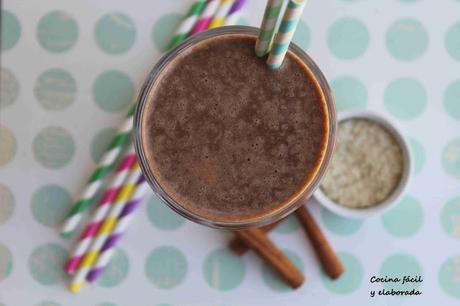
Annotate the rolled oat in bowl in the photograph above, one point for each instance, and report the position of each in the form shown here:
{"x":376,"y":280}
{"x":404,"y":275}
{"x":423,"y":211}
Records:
{"x":366,"y":167}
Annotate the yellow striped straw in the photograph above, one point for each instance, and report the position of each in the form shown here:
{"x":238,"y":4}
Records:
{"x":222,"y":11}
{"x":106,"y":229}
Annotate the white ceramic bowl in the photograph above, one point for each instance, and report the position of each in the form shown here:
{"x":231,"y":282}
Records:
{"x":393,"y":198}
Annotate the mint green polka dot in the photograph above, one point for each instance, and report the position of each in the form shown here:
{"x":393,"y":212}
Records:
{"x":11,"y":30}
{"x":116,"y":271}
{"x":340,"y":225}
{"x":452,"y":41}
{"x":450,"y":218}
{"x":55,"y":89}
{"x":53,"y":147}
{"x":405,"y":219}
{"x":348,"y":38}
{"x":350,"y":280}
{"x":48,"y":303}
{"x":271,"y":278}
{"x":288,"y":225}
{"x":418,"y":155}
{"x":164,"y":29}
{"x":449,"y":277}
{"x":113,"y":91}
{"x":451,"y":158}
{"x":349,"y":92}
{"x":223,"y":270}
{"x":8,"y":147}
{"x":166,"y":267}
{"x":106,"y":304}
{"x":101,"y":142}
{"x":6,"y":203}
{"x":6,"y":262}
{"x":405,"y":98}
{"x":57,"y":31}
{"x":161,"y":216}
{"x":452,"y":99}
{"x":46,"y":262}
{"x":406,"y":39}
{"x":10,"y":88}
{"x":50,"y":204}
{"x":115,"y":33}
{"x":302,"y":35}
{"x":243,"y":21}
{"x":400,"y":265}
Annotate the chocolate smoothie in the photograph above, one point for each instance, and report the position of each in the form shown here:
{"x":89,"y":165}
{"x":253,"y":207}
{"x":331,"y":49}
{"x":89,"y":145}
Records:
{"x":229,"y":139}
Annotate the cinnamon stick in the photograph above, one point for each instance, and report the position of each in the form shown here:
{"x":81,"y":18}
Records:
{"x":256,"y":239}
{"x":239,"y":247}
{"x":329,"y":261}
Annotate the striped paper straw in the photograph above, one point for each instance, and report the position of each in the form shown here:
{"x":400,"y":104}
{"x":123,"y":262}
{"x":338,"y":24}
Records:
{"x":106,"y":228}
{"x":124,"y":220}
{"x":101,"y":211}
{"x":206,"y":16}
{"x":268,"y":27}
{"x":126,"y":214}
{"x":96,"y":179}
{"x":234,"y":13}
{"x":286,"y":32}
{"x":222,"y":11}
{"x":187,"y":24}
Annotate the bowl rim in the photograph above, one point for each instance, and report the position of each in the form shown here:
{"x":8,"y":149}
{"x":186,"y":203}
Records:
{"x":389,"y":202}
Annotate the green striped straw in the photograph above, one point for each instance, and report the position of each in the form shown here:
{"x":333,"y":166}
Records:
{"x":95,"y":181}
{"x":187,"y":24}
{"x":285,"y":33}
{"x":268,"y":27}
{"x":121,"y":138}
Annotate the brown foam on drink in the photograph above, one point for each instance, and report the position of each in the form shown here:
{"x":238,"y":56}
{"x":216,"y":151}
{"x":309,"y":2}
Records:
{"x":230,"y":139}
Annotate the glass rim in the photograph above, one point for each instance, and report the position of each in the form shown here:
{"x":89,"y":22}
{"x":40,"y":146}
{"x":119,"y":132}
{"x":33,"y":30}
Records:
{"x":264,"y":219}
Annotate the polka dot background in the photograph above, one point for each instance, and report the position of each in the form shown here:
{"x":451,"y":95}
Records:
{"x":6,"y":203}
{"x":396,"y":221}
{"x":70,"y":72}
{"x":55,"y":89}
{"x":8,"y":148}
{"x":166,"y":267}
{"x":57,"y":31}
{"x":405,"y":98}
{"x":406,"y":39}
{"x":113,"y":91}
{"x":115,"y":33}
{"x":10,"y":37}
{"x":50,"y":204}
{"x":10,"y":87}
{"x":53,"y":147}
{"x":46,"y":262}
{"x":223,"y":270}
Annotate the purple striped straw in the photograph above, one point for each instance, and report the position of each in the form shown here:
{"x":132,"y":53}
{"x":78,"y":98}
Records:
{"x":124,"y":220}
{"x":234,"y":12}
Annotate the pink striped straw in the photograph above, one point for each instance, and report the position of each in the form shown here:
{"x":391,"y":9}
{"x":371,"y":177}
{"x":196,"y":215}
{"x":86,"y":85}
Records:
{"x":101,"y":211}
{"x":123,"y":222}
{"x":206,"y":16}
